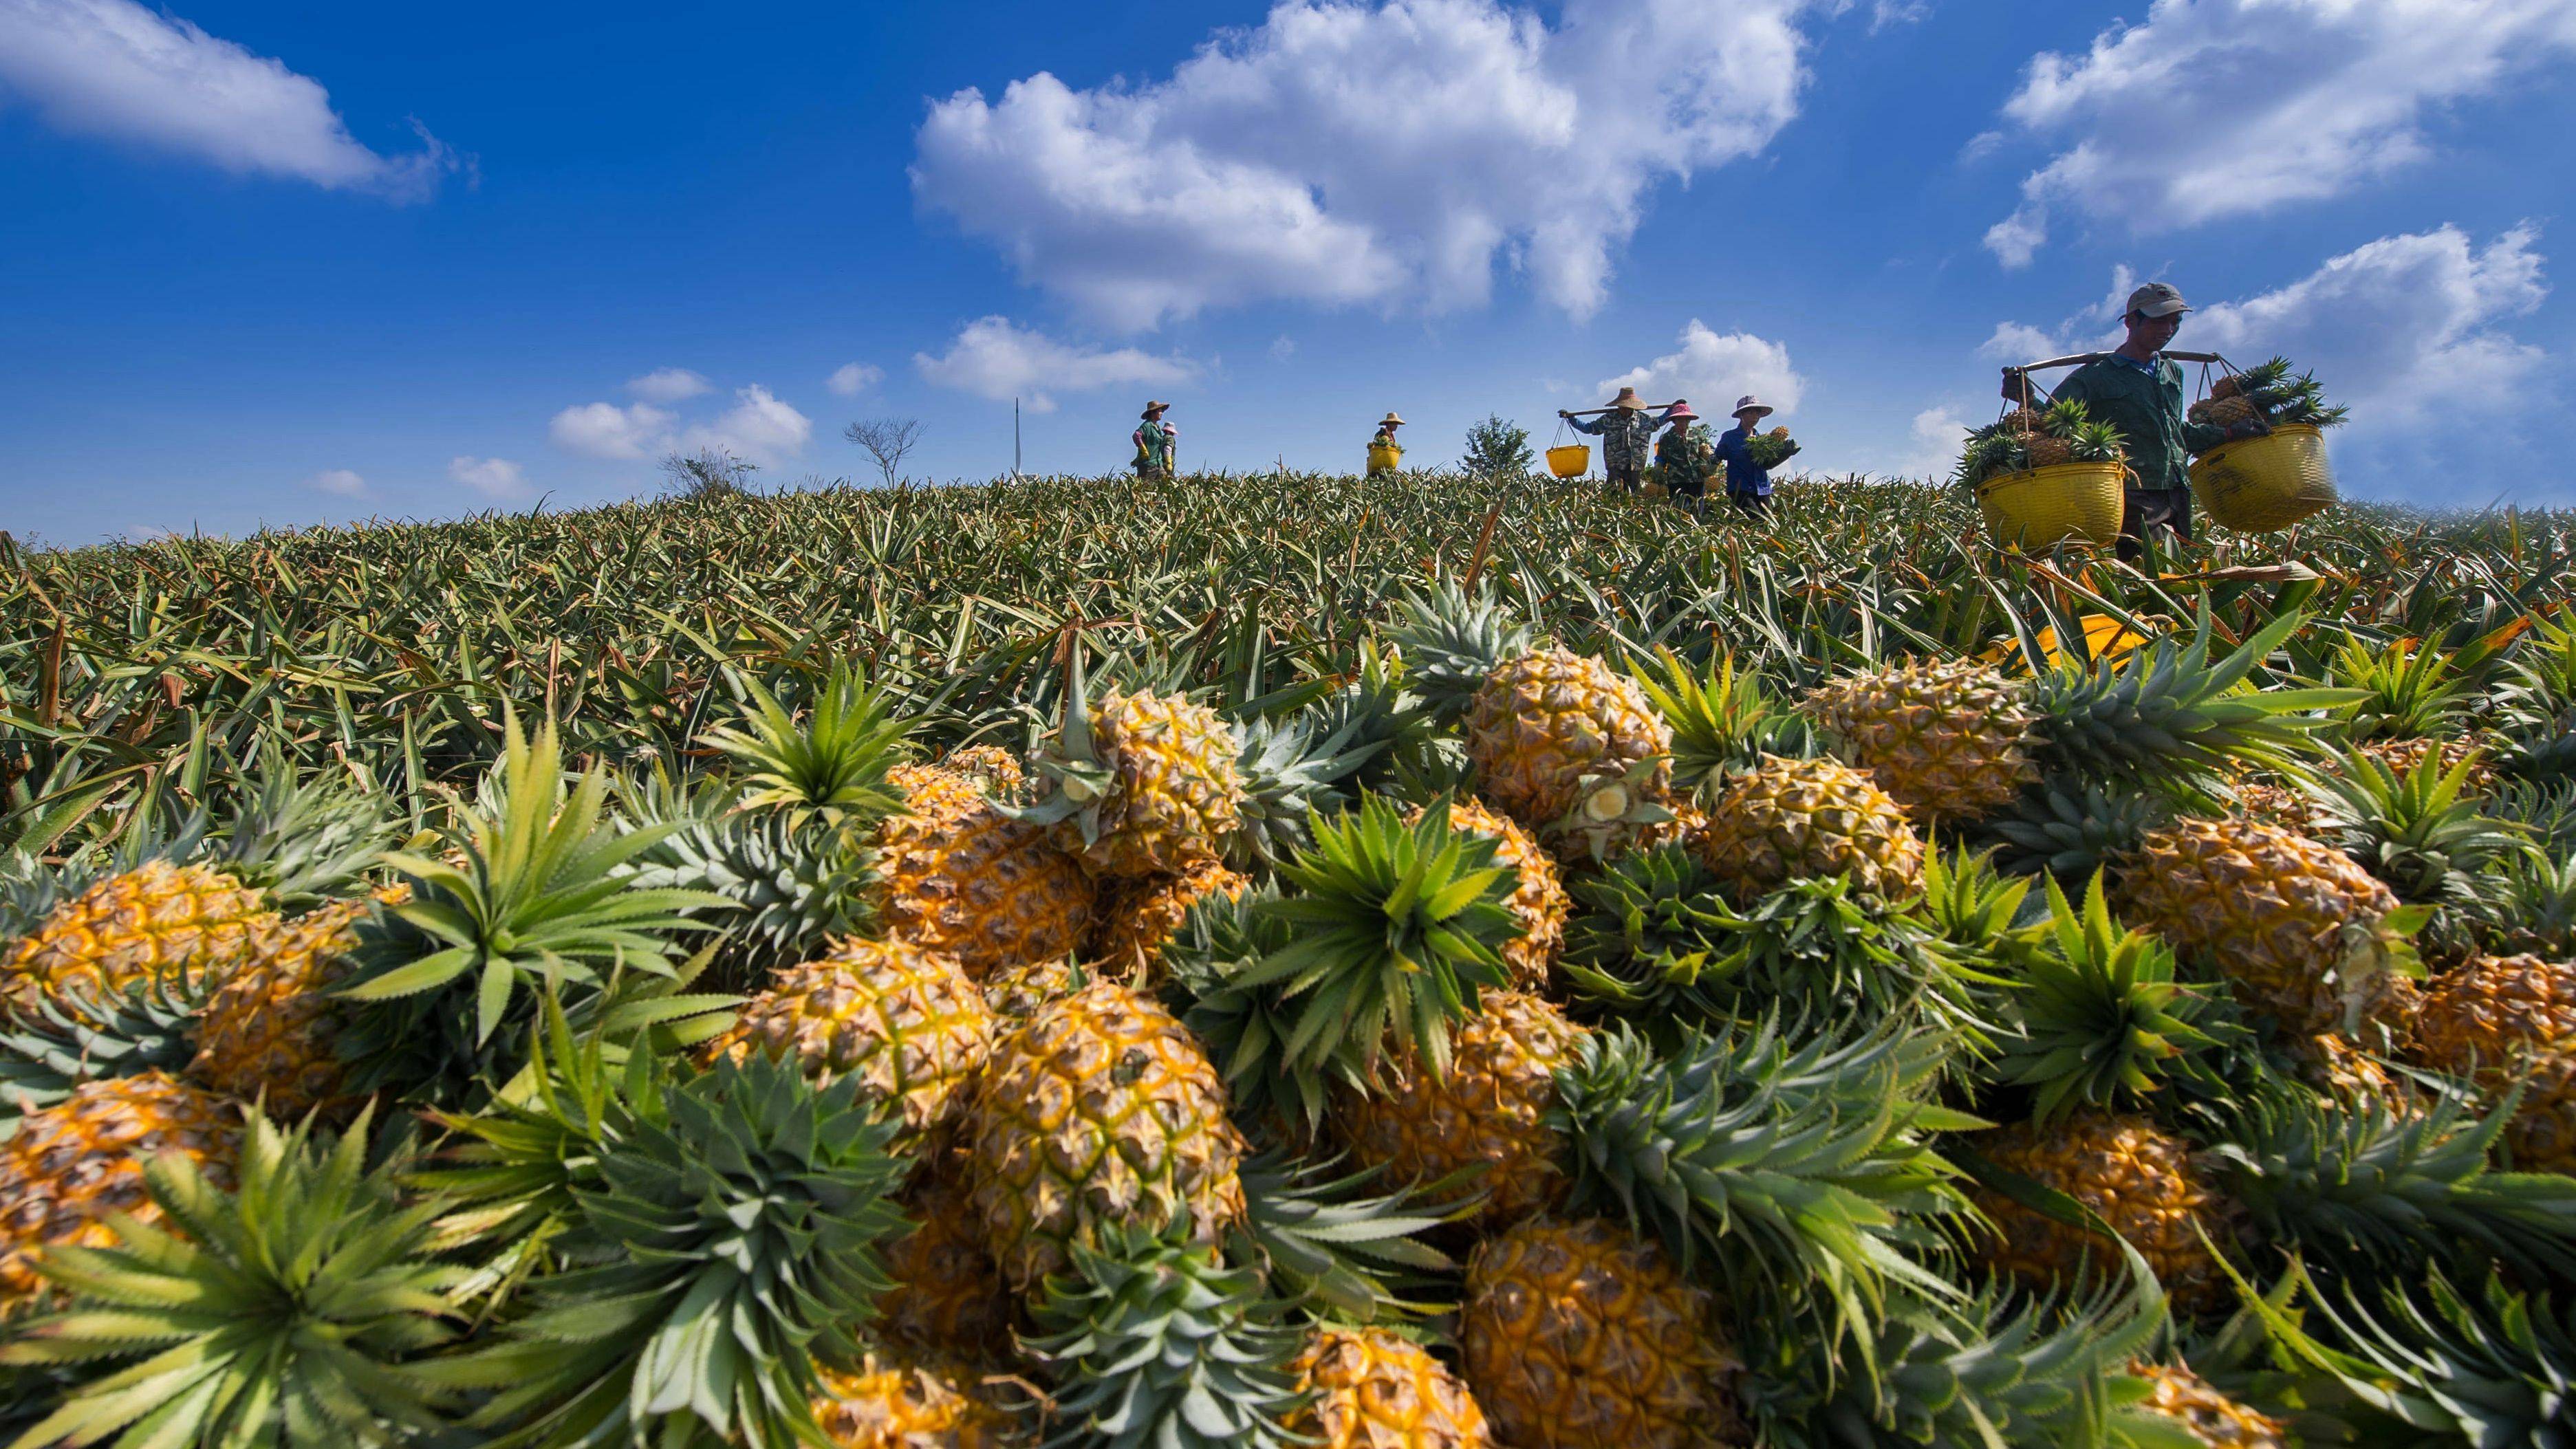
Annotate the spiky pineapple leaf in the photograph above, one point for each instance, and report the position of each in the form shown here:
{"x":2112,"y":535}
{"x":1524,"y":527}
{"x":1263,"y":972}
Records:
{"x":833,"y":766}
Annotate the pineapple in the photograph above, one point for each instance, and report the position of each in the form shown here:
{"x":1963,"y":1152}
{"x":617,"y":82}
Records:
{"x":1141,"y":784}
{"x":269,"y":1032}
{"x":70,"y":1166}
{"x":1368,"y":1389}
{"x":885,"y":1405}
{"x":905,"y":1021}
{"x":2211,"y":1418}
{"x":2542,"y":1135}
{"x":156,"y":919}
{"x":1099,"y":1110}
{"x":1140,"y":915}
{"x":1487,"y":1111}
{"x":997,"y":768}
{"x":1578,"y":1335}
{"x":2482,"y":1018}
{"x":1538,"y":901}
{"x":1810,"y":819}
{"x":2300,"y":930}
{"x":1560,"y":742}
{"x":948,"y":1300}
{"x":2140,"y":1180}
{"x":1016,"y":993}
{"x":959,"y":874}
{"x":1943,"y":738}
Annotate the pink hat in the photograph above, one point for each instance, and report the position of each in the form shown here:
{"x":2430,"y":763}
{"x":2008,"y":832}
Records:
{"x":1679,"y":410}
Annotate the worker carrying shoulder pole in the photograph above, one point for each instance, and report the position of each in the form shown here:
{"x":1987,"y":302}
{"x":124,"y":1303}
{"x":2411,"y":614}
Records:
{"x":1385,"y":454}
{"x":1626,"y":432}
{"x":1154,"y":441}
{"x":2138,"y":391}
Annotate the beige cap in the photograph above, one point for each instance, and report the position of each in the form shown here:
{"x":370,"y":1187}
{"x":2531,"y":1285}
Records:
{"x":2155,"y":299}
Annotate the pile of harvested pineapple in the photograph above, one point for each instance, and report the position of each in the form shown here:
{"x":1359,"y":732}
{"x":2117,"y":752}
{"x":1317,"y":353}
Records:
{"x":1494,"y":1045}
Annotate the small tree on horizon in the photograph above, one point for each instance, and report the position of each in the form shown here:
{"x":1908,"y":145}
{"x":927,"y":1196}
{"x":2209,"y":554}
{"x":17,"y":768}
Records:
{"x":886,"y":439}
{"x":1497,"y":449}
{"x":710,"y":472}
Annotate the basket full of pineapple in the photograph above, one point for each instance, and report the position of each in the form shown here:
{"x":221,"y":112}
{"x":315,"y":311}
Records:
{"x":2045,"y":476}
{"x":2269,"y":482}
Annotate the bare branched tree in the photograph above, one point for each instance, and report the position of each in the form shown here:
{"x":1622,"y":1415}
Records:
{"x":710,"y":472}
{"x":887,"y":440}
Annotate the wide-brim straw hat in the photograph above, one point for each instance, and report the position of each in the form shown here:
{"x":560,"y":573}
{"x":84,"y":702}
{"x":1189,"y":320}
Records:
{"x":1152,"y":408}
{"x":1628,"y":401}
{"x":1754,"y":405}
{"x":1680,"y":410}
{"x":1389,"y":418}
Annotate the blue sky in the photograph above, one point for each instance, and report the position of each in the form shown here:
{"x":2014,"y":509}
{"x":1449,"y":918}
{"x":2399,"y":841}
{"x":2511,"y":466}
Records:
{"x":269,"y":264}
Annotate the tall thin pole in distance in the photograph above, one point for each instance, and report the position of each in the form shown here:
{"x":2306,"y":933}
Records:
{"x":1015,"y":437}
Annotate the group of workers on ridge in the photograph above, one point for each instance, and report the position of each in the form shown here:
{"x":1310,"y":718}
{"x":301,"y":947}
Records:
{"x":2135,"y":388}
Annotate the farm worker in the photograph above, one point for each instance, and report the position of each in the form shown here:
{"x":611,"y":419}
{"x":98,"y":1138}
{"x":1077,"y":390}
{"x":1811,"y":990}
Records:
{"x":1154,"y":439}
{"x":1625,"y":433}
{"x":2138,"y":391}
{"x":1685,"y":457}
{"x":1748,"y":487}
{"x":1385,"y":445}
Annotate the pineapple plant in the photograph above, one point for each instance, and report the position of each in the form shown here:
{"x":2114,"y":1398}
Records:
{"x":905,"y":1022}
{"x":1560,"y":742}
{"x":1098,"y":1112}
{"x":1576,"y":1333}
{"x":1141,"y":784}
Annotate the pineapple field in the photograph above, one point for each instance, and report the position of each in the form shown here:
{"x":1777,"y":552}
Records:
{"x":1414,"y":962}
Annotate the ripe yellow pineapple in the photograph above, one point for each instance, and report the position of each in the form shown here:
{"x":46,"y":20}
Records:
{"x":2138,"y":1178}
{"x":154,"y":920}
{"x":2340,"y":1069}
{"x":1099,"y":1110}
{"x":1148,"y":786}
{"x":1538,"y":903}
{"x":1373,"y":1390}
{"x":2294,"y":925}
{"x":268,"y":1033}
{"x":1563,"y":743}
{"x":889,"y":1405}
{"x":2208,"y":1416}
{"x":67,"y":1167}
{"x":1944,"y":738}
{"x":1140,"y":915}
{"x":1581,"y":1334}
{"x":2224,"y":411}
{"x":1489,"y":1111}
{"x":2481,"y":1018}
{"x":996,"y":767}
{"x":1016,"y":993}
{"x":947,"y":1299}
{"x":962,"y":876}
{"x":2542,"y":1135}
{"x":1788,"y":819}
{"x":905,"y":1021}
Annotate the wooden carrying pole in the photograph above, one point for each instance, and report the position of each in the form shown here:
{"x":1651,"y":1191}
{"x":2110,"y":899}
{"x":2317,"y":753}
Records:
{"x":2080,"y":358}
{"x":1648,"y":408}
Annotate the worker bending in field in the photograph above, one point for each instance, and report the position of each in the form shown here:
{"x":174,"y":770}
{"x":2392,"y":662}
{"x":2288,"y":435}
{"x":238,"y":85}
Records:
{"x":1685,"y":458}
{"x":1154,"y":441}
{"x":1626,"y":432}
{"x":2138,"y":391}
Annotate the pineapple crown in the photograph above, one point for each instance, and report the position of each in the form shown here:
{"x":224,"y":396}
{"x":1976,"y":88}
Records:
{"x":734,"y":1232}
{"x":2486,"y":1365}
{"x":1723,"y":722}
{"x":1393,"y":724}
{"x":88,"y":1031}
{"x":1292,"y":770}
{"x":2416,"y":832}
{"x":1339,"y":1252}
{"x":1826,"y":946}
{"x":2529,"y":904}
{"x":1974,"y":907}
{"x":1794,"y":1165}
{"x":297,"y":1308}
{"x":2071,"y":829}
{"x":832,"y":766}
{"x":1155,"y":1342}
{"x":2101,"y":1020}
{"x":789,"y":886}
{"x":2360,"y":1184}
{"x":1651,"y":942}
{"x":1397,"y":929}
{"x":306,"y":840}
{"x":2409,"y":691}
{"x":1450,"y":641}
{"x":1221,"y":941}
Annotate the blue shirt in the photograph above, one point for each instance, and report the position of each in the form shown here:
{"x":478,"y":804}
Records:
{"x":1743,"y":480}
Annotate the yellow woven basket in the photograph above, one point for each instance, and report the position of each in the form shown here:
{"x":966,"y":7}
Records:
{"x":2044,"y":507}
{"x":1572,"y":460}
{"x":1384,"y":459}
{"x":2267,"y":483}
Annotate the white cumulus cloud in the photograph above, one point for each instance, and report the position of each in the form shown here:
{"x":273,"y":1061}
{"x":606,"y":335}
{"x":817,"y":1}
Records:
{"x":852,"y":378}
{"x":995,"y":359}
{"x":491,"y":477}
{"x":605,"y":430}
{"x":1389,"y":154}
{"x":2216,"y":108}
{"x":757,"y":429}
{"x":117,"y":69}
{"x":340,"y":481}
{"x":1713,"y":369}
{"x":669,"y":385}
